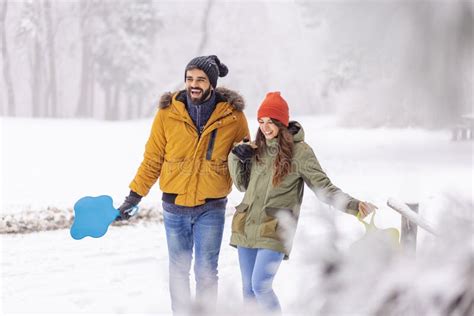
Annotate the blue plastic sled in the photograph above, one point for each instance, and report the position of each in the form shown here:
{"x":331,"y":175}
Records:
{"x":92,"y":216}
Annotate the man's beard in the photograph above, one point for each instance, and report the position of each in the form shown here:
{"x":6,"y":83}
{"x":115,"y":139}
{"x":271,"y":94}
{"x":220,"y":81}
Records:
{"x":200,"y":100}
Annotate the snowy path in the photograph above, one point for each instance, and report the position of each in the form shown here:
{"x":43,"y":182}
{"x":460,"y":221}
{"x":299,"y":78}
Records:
{"x":126,"y":271}
{"x":50,"y":272}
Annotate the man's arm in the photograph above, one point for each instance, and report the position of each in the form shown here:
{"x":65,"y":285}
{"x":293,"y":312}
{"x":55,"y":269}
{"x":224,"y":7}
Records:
{"x":150,"y":168}
{"x":243,"y":131}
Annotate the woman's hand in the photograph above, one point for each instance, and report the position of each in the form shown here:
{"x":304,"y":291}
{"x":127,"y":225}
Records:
{"x":365,"y":208}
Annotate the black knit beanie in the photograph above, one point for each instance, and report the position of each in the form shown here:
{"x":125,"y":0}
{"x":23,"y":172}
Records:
{"x":211,"y":65}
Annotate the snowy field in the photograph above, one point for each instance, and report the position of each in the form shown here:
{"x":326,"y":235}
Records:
{"x":52,"y":163}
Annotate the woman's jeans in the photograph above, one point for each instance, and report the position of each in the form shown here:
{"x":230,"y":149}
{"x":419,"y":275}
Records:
{"x":258,"y":268}
{"x":204,"y":231}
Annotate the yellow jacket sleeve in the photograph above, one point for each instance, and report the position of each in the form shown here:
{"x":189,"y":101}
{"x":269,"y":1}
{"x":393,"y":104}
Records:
{"x":243,"y":130}
{"x":150,"y":168}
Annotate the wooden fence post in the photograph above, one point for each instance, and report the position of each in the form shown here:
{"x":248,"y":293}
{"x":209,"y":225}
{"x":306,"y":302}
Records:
{"x":409,"y":231}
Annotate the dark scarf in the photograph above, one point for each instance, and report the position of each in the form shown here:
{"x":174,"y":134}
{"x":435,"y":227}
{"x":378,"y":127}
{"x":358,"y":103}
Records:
{"x":200,"y":113}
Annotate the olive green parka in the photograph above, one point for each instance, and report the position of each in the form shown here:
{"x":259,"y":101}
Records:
{"x":268,"y":215}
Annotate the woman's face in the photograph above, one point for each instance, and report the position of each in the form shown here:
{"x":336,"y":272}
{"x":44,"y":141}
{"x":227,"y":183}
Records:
{"x":268,"y":128}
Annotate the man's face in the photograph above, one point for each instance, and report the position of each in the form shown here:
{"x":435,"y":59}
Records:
{"x":198,"y":86}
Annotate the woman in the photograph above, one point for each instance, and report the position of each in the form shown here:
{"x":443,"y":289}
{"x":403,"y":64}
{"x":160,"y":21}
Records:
{"x":272,"y":173}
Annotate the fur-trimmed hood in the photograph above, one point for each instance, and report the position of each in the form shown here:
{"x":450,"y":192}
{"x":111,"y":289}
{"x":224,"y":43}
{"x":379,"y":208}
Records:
{"x":222,"y":95}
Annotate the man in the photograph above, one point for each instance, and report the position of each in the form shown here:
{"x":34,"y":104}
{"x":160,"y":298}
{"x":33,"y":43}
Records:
{"x":191,"y":137}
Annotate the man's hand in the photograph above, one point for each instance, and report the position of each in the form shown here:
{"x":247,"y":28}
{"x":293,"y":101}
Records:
{"x":131,"y":201}
{"x":244,"y":150}
{"x":365,"y":208}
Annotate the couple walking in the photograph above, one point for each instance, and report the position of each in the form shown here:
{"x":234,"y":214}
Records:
{"x":198,"y":146}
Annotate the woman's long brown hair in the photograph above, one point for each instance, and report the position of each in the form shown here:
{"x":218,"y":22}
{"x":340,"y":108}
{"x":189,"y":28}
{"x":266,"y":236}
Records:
{"x":284,"y":151}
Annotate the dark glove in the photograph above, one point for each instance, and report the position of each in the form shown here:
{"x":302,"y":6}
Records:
{"x":131,"y":201}
{"x":293,"y":129}
{"x":244,"y":152}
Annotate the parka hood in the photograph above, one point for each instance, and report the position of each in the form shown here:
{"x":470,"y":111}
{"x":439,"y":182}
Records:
{"x":222,"y":95}
{"x":296,"y":130}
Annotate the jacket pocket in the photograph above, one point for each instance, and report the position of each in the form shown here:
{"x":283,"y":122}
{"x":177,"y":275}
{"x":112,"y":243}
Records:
{"x":214,"y":179}
{"x":240,"y":216}
{"x":174,"y":175}
{"x":218,"y":166}
{"x":279,"y":224}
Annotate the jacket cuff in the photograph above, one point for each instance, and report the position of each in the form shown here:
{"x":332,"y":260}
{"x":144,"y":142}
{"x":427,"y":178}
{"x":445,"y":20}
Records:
{"x":353,"y":207}
{"x":133,"y":198}
{"x":135,"y":194}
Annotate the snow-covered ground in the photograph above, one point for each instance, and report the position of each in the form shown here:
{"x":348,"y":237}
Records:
{"x":52,"y":163}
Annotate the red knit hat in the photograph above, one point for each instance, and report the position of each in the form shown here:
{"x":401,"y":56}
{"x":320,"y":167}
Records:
{"x":275,"y":107}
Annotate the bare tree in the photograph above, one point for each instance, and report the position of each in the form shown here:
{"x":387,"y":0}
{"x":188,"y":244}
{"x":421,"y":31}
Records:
{"x":10,"y":110}
{"x":30,"y":35}
{"x":123,"y":56}
{"x":37,"y":66}
{"x":85,"y":102}
{"x":51,"y":93}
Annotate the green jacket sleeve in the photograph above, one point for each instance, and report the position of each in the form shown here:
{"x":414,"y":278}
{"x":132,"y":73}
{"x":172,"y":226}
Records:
{"x":314,"y":176}
{"x":239,"y":172}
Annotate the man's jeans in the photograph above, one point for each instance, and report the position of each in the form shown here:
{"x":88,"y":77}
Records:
{"x":258,"y":268}
{"x":204,"y":231}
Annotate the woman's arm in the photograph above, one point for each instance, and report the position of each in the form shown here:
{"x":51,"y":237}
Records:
{"x":314,"y":176}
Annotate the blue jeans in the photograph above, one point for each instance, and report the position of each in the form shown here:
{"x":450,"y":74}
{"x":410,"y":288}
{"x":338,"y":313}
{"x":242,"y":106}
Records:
{"x":258,"y":268}
{"x":204,"y":231}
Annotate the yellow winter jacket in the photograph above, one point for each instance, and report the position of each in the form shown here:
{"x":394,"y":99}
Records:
{"x":191,"y":166}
